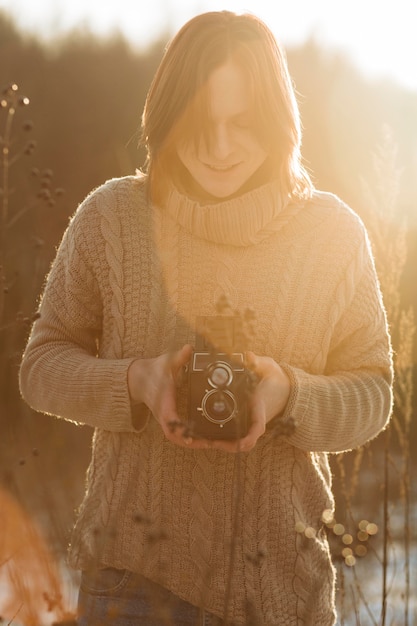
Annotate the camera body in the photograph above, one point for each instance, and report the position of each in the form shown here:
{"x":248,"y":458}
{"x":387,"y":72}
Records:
{"x":218,"y":382}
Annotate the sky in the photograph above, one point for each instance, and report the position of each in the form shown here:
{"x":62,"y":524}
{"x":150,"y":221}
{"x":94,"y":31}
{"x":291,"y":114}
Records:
{"x":378,"y":35}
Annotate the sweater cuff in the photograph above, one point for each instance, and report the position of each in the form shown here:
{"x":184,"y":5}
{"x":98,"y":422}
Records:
{"x":138,"y":415}
{"x":287,"y":422}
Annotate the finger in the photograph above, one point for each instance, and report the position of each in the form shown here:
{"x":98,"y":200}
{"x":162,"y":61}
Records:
{"x":199,"y":444}
{"x":257,"y":425}
{"x":181,"y":357}
{"x":253,"y":362}
{"x":225,"y":445}
{"x":203,"y":444}
{"x":178,"y":364}
{"x":178,"y":432}
{"x":168,"y":418}
{"x":250,"y":358}
{"x":256,"y":431}
{"x":260,"y":365}
{"x":179,"y":435}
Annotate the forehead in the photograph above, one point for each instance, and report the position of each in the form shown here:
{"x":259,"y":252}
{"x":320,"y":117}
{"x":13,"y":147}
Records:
{"x":228,"y":91}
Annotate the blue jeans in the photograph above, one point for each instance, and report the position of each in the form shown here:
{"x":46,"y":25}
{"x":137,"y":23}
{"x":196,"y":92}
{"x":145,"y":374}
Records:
{"x":112,"y":597}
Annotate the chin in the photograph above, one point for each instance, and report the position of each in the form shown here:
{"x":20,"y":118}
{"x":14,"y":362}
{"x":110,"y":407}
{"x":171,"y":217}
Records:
{"x":223,"y":189}
{"x":233,"y":188}
{"x":223,"y":195}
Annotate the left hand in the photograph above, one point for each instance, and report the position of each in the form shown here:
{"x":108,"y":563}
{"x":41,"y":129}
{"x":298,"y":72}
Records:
{"x":268,"y":399}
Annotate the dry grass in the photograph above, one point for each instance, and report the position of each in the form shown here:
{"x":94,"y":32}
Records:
{"x":373,"y":483}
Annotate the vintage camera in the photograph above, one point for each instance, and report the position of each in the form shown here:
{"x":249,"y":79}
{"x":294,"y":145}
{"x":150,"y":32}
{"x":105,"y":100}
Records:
{"x":218,"y":381}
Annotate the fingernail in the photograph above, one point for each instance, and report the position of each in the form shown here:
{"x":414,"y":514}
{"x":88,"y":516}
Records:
{"x":188,"y":440}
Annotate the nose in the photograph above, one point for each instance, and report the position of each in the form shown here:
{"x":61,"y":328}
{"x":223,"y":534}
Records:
{"x":221,"y":143}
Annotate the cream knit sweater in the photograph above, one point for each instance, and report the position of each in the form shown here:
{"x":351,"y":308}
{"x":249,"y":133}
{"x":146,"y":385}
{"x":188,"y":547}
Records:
{"x":128,"y":281}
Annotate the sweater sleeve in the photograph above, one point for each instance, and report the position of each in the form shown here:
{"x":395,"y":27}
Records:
{"x":61,"y":373}
{"x":351,"y":401}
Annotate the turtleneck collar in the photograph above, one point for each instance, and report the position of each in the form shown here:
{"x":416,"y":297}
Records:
{"x":241,"y":221}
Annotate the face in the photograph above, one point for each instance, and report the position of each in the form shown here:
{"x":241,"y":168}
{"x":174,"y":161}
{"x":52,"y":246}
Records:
{"x":222,"y":165}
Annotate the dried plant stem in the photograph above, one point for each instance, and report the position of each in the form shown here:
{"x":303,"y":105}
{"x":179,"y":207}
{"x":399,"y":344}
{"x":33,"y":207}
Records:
{"x":364,"y":601}
{"x":5,"y":167}
{"x":386,"y":521}
{"x":387,"y":230}
{"x":5,"y":161}
{"x":15,"y":615}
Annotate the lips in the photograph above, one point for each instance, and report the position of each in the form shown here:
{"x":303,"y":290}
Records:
{"x":221,"y":168}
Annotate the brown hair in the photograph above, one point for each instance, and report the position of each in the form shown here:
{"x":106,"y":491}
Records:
{"x":175,"y":104}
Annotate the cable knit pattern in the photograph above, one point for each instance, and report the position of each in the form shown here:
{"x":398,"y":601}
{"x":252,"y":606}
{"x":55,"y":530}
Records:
{"x":130,"y":280}
{"x":263,"y":513}
{"x":111,"y":232}
{"x":343,"y":291}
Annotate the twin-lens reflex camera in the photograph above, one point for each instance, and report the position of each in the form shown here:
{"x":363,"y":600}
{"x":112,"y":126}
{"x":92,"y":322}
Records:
{"x":218,"y":381}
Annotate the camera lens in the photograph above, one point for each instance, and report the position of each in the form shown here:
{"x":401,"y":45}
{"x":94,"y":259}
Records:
{"x":220,"y":374}
{"x":219,"y":406}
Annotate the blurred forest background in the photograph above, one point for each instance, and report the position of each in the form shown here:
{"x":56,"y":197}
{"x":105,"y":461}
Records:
{"x":76,"y":121}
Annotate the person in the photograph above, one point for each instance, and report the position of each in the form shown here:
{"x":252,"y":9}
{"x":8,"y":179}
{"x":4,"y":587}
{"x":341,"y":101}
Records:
{"x":180,"y":524}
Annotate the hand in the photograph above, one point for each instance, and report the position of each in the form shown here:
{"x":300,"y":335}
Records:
{"x":268,"y":399}
{"x":154,"y":382}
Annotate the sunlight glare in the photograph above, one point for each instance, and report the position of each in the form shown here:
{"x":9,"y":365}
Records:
{"x":378,"y":37}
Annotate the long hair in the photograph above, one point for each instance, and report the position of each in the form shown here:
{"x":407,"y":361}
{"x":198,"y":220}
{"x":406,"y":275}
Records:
{"x":176,"y":104}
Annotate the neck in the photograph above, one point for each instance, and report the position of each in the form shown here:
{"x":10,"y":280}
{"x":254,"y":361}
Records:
{"x":186,"y":184}
{"x":243,"y":220}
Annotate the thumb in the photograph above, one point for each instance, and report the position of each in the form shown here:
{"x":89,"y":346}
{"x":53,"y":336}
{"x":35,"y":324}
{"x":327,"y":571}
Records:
{"x":262,"y":366}
{"x":181,"y":357}
{"x":252,"y":361}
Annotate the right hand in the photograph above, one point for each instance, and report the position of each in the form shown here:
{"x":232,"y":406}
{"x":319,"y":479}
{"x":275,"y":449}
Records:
{"x":154,"y":382}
